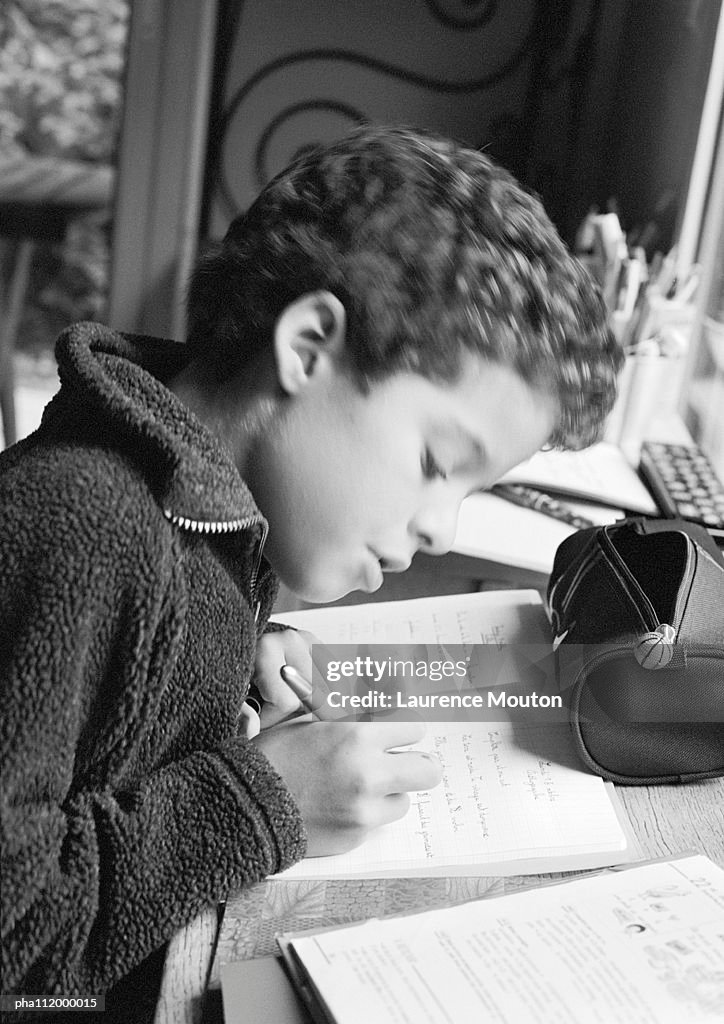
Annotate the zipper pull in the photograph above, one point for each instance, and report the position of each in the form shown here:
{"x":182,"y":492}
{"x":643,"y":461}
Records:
{"x":655,"y":649}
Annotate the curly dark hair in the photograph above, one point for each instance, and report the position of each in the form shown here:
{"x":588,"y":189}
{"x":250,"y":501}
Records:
{"x":434,"y":250}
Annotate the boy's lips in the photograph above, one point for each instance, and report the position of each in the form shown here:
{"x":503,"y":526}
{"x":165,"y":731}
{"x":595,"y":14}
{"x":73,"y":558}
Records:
{"x":393,"y":563}
{"x":377,"y":565}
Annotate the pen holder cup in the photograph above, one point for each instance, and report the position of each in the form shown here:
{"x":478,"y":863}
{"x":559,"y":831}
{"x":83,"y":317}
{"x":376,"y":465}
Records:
{"x":649,"y":389}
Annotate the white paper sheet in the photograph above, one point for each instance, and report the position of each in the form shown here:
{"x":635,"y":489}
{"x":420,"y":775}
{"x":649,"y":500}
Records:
{"x":512,"y":801}
{"x":496,"y":530}
{"x":600,"y":473}
{"x":514,"y":797}
{"x":644,"y":945}
{"x":507,"y":616}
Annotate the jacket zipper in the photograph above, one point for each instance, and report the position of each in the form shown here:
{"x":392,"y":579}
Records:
{"x":255,"y":582}
{"x":213,"y":526}
{"x":229,"y":526}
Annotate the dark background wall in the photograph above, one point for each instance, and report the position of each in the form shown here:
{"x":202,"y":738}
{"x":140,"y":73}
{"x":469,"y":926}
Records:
{"x":652,"y":127}
{"x":583,"y":100}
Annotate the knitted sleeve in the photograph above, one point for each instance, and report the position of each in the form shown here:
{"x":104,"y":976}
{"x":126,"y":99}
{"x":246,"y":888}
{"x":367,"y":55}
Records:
{"x":96,"y":875}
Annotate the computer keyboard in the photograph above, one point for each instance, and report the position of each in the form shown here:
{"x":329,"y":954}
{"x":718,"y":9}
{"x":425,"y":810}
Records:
{"x":684,"y":484}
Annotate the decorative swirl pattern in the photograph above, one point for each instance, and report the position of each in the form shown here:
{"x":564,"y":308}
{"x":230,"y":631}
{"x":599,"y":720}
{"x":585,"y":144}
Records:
{"x":469,"y":18}
{"x":350,"y":57}
{"x":305,"y":106}
{"x":558,"y":52}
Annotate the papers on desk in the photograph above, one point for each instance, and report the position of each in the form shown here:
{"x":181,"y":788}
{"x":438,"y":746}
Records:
{"x":495,"y":530}
{"x":601,"y":474}
{"x":641,"y":944}
{"x":513,"y":801}
{"x":501,"y":617}
{"x":514,"y":797}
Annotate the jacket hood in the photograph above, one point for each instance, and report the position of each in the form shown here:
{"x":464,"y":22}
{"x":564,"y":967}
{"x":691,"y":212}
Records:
{"x":113,"y":383}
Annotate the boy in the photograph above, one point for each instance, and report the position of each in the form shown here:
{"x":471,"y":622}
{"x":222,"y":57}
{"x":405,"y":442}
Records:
{"x":392,"y":325}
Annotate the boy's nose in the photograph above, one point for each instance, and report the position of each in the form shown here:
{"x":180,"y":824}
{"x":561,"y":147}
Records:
{"x":435,"y":527}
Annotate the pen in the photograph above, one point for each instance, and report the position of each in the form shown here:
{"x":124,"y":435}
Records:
{"x":530,"y":497}
{"x":302,"y":689}
{"x":299,"y":686}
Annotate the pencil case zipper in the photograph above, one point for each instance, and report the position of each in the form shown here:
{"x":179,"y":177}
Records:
{"x":628,"y":583}
{"x":570,"y":588}
{"x":630,"y":586}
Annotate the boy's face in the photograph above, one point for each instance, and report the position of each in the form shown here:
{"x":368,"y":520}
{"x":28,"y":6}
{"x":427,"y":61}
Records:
{"x":353,"y":485}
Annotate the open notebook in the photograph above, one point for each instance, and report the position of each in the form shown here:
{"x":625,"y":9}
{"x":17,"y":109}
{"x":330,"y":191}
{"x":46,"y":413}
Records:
{"x":514,"y":797}
{"x":601,"y":473}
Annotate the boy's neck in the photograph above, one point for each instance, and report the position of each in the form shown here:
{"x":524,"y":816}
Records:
{"x":234,"y":410}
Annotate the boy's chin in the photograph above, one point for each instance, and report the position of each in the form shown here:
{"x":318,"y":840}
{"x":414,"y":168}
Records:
{"x":324,"y":591}
{"x":324,"y":587}
{"x":318,"y":591}
{"x":322,"y":595}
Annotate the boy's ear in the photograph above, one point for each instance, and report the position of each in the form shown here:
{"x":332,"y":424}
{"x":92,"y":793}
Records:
{"x":309,"y":334}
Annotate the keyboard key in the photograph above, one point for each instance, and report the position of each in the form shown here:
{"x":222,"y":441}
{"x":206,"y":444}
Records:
{"x":683,"y":481}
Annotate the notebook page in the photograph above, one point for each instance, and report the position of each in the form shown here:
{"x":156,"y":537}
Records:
{"x":640,"y":945}
{"x":513,"y":797}
{"x":486,"y":618}
{"x":506,"y":802}
{"x":599,"y":473}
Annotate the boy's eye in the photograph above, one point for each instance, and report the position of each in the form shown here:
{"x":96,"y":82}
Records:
{"x":431,"y":468}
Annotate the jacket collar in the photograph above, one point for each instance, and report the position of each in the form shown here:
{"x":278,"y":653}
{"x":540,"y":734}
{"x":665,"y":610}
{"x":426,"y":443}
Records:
{"x":117,"y":380}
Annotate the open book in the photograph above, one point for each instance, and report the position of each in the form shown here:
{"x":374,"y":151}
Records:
{"x":601,"y":473}
{"x":643,"y":944}
{"x":514,"y":798}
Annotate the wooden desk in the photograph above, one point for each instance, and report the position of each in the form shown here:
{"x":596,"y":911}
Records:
{"x":666,"y":820}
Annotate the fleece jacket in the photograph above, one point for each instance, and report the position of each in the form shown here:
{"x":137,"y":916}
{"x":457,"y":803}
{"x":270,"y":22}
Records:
{"x":132,"y":594}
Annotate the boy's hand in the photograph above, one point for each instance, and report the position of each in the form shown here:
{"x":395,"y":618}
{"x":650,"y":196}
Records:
{"x":287,"y":647}
{"x":346,"y":777}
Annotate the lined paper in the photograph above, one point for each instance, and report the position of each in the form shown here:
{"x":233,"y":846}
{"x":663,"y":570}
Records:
{"x":506,"y":805}
{"x":514,"y":797}
{"x":509,"y":616}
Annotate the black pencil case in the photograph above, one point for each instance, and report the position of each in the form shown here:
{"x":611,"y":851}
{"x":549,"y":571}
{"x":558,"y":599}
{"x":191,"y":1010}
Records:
{"x":638,"y":613}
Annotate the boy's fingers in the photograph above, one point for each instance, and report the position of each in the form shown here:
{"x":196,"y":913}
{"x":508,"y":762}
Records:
{"x":317,"y":702}
{"x":321,"y":655}
{"x":272,"y":688}
{"x":412,"y":770}
{"x":393,"y":807}
{"x":249,"y":721}
{"x":389,"y":734}
{"x":279,"y":704}
{"x":274,"y":651}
